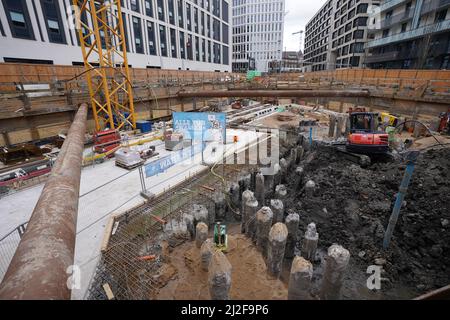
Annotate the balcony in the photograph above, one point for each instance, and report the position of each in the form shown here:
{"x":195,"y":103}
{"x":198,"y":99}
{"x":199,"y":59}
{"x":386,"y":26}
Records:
{"x":434,"y":5}
{"x":388,"y":4}
{"x":388,"y":56}
{"x":440,"y":48}
{"x":398,"y":18}
{"x":412,"y":34}
{"x":402,"y":54}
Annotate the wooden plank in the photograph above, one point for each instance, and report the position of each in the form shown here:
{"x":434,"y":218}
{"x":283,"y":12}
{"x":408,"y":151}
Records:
{"x":208,"y":188}
{"x":108,"y":291}
{"x":107,"y":234}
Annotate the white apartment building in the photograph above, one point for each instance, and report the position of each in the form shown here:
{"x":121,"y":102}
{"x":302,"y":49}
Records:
{"x":163,"y":34}
{"x":258,"y":27}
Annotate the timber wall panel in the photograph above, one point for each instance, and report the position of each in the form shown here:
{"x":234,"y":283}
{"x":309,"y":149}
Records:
{"x":33,"y":73}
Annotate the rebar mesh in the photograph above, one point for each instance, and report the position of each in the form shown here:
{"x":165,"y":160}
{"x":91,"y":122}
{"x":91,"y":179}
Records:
{"x":139,"y":234}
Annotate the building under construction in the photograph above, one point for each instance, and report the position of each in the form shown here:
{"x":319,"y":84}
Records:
{"x":120,"y":183}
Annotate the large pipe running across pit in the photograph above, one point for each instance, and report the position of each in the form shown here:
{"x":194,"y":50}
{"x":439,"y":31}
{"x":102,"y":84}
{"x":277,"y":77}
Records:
{"x":276,"y":94}
{"x":39,"y":267}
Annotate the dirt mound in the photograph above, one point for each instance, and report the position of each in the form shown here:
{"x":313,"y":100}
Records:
{"x":351,"y":206}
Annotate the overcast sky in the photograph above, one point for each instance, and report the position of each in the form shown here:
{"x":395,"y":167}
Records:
{"x":299,"y":12}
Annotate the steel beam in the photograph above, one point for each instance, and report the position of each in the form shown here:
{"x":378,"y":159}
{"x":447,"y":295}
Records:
{"x":276,"y":94}
{"x":46,"y":250}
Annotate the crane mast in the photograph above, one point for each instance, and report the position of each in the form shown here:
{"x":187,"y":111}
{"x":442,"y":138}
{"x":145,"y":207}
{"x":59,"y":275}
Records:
{"x":104,"y":51}
{"x":301,"y":38}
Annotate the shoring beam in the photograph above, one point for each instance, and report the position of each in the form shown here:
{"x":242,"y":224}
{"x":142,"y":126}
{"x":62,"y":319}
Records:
{"x":439,"y":294}
{"x":276,"y":94}
{"x":46,"y":250}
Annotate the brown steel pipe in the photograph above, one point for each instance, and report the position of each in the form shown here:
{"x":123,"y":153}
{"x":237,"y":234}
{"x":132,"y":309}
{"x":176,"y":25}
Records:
{"x":276,"y":94}
{"x":46,"y":250}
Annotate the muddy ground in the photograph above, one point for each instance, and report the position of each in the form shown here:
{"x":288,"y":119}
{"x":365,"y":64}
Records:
{"x":351,"y":206}
{"x":182,"y":278}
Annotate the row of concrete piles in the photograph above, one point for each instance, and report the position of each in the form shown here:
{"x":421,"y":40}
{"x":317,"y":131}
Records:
{"x":272,"y":230}
{"x":275,"y":231}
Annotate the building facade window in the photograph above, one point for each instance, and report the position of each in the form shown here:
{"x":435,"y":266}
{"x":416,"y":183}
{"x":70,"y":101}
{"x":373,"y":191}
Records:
{"x":188,"y":17}
{"x":135,"y":5}
{"x":180,"y":14}
{"x":358,"y":34}
{"x":151,"y":38}
{"x":163,"y":40}
{"x":161,"y":12}
{"x":225,"y":55}
{"x":216,"y":53}
{"x":190,"y":48}
{"x":440,"y":16}
{"x":225,"y":9}
{"x":209,"y":52}
{"x":84,"y":21}
{"x":216,"y":29}
{"x":149,"y":8}
{"x":182,"y":45}
{"x":197,"y":49}
{"x":2,"y":31}
{"x":18,"y":19}
{"x":225,"y":38}
{"x":171,"y":10}
{"x":196,"y":20}
{"x":137,"y":29}
{"x":404,"y":25}
{"x":216,"y":8}
{"x":125,"y":31}
{"x":204,"y":50}
{"x":173,"y":43}
{"x":53,"y":21}
{"x":202,"y":23}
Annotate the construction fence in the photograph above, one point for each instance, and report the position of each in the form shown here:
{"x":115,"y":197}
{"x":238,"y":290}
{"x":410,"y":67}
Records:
{"x":8,"y":245}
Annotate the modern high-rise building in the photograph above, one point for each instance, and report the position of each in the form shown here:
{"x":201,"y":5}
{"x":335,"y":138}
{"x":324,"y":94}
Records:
{"x":411,"y":34}
{"x":258,"y":27}
{"x":335,"y":37}
{"x":166,"y":34}
{"x":317,"y":52}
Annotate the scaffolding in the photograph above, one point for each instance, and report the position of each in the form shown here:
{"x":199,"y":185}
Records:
{"x":104,"y":50}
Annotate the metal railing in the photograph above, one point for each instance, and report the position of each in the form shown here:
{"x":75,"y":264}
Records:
{"x":8,"y":246}
{"x":387,"y":56}
{"x":20,"y":185}
{"x":416,"y":33}
{"x":385,"y":23}
{"x":390,"y":4}
{"x":434,"y":5}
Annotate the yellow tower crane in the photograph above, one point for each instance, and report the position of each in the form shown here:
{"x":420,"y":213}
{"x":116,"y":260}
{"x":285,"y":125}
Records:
{"x":104,"y":50}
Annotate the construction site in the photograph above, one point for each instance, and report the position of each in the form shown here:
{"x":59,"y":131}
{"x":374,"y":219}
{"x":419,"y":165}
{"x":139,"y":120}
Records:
{"x":121,"y":183}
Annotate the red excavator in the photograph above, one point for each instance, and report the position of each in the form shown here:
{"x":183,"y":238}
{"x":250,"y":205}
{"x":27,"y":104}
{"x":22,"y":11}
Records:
{"x":365,"y":136}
